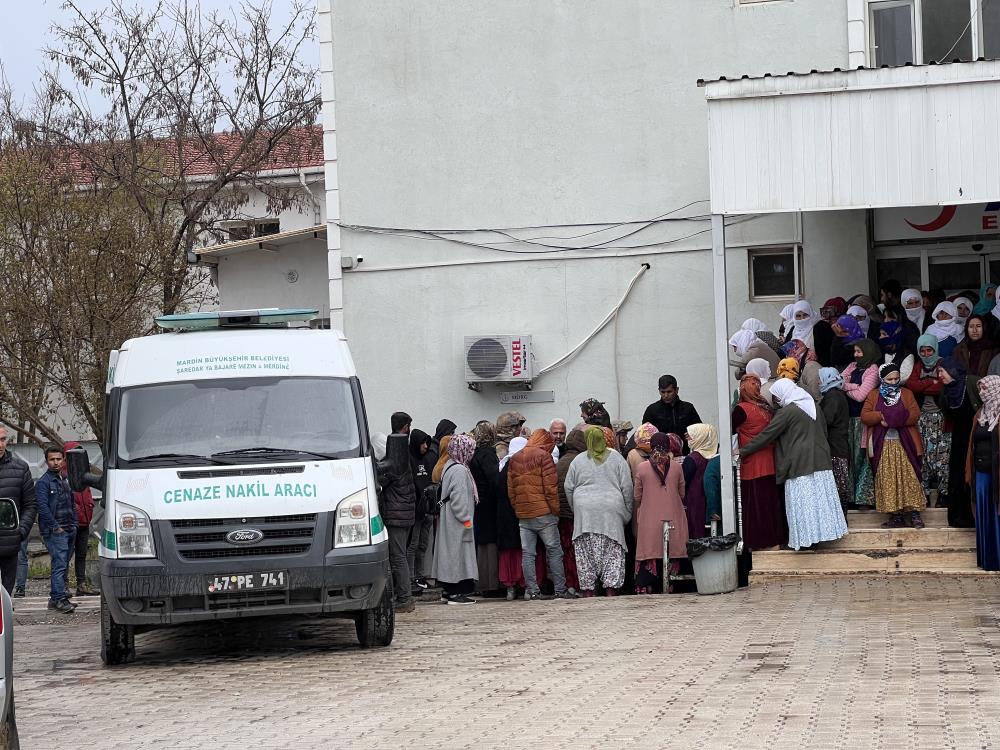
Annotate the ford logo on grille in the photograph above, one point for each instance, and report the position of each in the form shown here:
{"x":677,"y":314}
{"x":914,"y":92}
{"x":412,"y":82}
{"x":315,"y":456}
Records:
{"x":244,"y":536}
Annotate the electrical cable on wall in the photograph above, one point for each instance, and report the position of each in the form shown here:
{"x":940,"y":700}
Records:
{"x":568,"y":357}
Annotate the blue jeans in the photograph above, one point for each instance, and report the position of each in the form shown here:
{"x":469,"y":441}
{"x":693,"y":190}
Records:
{"x":22,"y":566}
{"x":545,"y":528}
{"x":60,"y":547}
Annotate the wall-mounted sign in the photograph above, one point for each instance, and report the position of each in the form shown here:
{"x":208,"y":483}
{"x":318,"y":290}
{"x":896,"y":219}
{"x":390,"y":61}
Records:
{"x":527,"y":397}
{"x":935,"y":222}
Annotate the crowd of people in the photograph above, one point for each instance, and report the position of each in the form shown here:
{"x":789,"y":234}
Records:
{"x":891,"y":406}
{"x":551,"y":512}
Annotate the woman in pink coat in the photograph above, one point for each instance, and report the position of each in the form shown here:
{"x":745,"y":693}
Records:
{"x":659,"y":497}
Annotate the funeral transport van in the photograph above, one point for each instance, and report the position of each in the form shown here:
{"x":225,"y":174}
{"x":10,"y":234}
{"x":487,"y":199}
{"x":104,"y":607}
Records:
{"x":238,"y":480}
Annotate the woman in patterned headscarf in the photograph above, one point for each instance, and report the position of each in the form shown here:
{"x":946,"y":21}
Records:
{"x":593,"y":412}
{"x":485,"y":468}
{"x":981,"y":472}
{"x":455,"y":564}
{"x":659,"y":499}
{"x":763,"y":515}
{"x":643,"y":438}
{"x":788,"y":368}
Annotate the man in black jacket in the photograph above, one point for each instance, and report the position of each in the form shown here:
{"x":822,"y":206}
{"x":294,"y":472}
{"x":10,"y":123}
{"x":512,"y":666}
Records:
{"x":669,"y":413}
{"x":397,"y":505}
{"x":16,"y":483}
{"x":422,"y":465}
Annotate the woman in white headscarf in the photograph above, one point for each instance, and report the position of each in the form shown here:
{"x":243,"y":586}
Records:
{"x":763,"y":371}
{"x":946,"y":328}
{"x":747,"y":346}
{"x":965,"y":306}
{"x":802,"y":462}
{"x":787,"y":314}
{"x":510,"y":574}
{"x":804,"y":319}
{"x":913,"y":303}
{"x":860,"y":314}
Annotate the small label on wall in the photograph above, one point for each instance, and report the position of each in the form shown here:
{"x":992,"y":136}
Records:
{"x":527,"y":397}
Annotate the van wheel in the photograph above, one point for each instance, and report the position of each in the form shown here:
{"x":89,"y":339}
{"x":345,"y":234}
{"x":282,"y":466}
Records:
{"x":117,"y":641}
{"x":376,"y":626}
{"x":8,"y":732}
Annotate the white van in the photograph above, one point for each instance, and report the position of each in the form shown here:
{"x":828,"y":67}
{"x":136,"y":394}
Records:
{"x":238,"y":480}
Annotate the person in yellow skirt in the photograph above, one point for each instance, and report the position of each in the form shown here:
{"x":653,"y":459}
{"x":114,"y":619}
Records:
{"x":890,"y":417}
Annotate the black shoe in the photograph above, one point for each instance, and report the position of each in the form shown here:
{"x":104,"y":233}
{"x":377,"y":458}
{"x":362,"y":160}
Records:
{"x":460,"y":599}
{"x":18,"y":591}
{"x":62,"y":605}
{"x":421,"y":583}
{"x":403,"y":607}
{"x":536,"y":596}
{"x":568,"y":594}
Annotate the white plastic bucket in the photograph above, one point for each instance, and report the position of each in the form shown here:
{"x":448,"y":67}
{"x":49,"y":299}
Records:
{"x":715,"y":571}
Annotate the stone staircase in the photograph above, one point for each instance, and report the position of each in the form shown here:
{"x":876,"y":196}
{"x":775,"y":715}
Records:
{"x":870,"y":550}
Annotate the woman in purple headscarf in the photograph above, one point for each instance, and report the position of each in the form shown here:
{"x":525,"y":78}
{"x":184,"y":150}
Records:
{"x":847,"y":330}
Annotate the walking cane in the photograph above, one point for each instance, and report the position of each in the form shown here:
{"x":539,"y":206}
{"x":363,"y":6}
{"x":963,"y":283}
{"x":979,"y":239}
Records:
{"x":666,"y":557}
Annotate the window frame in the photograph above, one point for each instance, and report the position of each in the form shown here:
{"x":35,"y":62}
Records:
{"x":798,"y":275}
{"x":916,"y":21}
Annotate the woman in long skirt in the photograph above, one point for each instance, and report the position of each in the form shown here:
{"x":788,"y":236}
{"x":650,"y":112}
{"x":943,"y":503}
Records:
{"x":982,"y":471}
{"x":833,"y":404}
{"x":763,"y":516}
{"x":935,"y":431}
{"x":803,"y":464}
{"x":860,"y":379}
{"x":659,"y":499}
{"x":890,"y":417}
{"x":599,"y":489}
{"x":485,"y":471}
{"x":510,"y":572}
{"x":455,"y":565}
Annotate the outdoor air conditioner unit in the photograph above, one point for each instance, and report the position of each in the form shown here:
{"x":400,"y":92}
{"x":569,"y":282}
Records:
{"x":498,"y":358}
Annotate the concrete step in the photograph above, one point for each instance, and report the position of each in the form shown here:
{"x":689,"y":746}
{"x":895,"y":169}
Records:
{"x":934,"y":518}
{"x":852,"y":562}
{"x":892,"y":539}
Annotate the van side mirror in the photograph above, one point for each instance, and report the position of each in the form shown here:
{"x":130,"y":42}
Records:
{"x":9,"y":518}
{"x":78,"y":471}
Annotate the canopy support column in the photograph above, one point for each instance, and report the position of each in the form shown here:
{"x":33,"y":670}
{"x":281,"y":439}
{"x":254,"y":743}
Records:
{"x":722,"y":370}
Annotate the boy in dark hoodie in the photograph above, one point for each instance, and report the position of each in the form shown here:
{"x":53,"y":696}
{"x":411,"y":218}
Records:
{"x":422,"y":462}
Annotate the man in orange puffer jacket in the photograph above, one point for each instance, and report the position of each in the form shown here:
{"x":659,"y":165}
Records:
{"x":534,"y":496}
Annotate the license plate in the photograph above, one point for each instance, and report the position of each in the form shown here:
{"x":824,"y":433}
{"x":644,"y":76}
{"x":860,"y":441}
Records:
{"x":275,"y":579}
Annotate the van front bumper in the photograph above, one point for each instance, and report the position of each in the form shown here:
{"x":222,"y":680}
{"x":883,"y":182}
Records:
{"x":153,"y":593}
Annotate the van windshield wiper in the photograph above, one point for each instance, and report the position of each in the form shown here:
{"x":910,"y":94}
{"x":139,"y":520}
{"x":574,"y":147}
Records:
{"x":174,"y":457}
{"x":271,"y":451}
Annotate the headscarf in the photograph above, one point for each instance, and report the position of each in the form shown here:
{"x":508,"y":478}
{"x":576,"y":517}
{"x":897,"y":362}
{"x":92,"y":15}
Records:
{"x":852,"y":329}
{"x":866,"y":303}
{"x":788,"y":368}
{"x":484,"y":433}
{"x":703,"y":439}
{"x":785,"y":392}
{"x":542,"y":438}
{"x":996,"y":309}
{"x":889,"y":343}
{"x":830,"y":378}
{"x":968,"y":303}
{"x":750,"y":392}
{"x":989,"y":390}
{"x":839,"y":304}
{"x":753,"y":324}
{"x":660,"y":455}
{"x":594,"y":413}
{"x":461,"y":448}
{"x":916,"y":314}
{"x":798,"y":351}
{"x":986,"y":303}
{"x":802,"y":329}
{"x":870,"y":353}
{"x":643,"y":436}
{"x":515,"y":447}
{"x":760,"y":368}
{"x":890,"y":392}
{"x":864,"y":322}
{"x":442,"y":459}
{"x":942,"y":329}
{"x":787,"y":314}
{"x":930,"y":340}
{"x":597,"y":444}
{"x":378,"y":445}
{"x":609,"y":436}
{"x":742,"y":340}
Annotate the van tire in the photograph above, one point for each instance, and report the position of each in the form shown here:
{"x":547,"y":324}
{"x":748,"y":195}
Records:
{"x":8,"y":732}
{"x":117,"y":641}
{"x":376,"y":626}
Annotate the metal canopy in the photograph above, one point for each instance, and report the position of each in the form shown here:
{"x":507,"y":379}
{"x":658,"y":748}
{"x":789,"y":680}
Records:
{"x":869,"y":138}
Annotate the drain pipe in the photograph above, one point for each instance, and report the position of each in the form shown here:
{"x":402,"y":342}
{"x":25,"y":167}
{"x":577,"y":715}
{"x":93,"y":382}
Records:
{"x":312,"y":196}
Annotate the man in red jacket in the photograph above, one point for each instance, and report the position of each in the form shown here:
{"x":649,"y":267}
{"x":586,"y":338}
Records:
{"x":532,"y":487}
{"x":84,"y":502}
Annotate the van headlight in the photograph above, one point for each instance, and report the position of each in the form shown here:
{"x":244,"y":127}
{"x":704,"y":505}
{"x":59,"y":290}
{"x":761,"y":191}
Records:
{"x":135,"y":532}
{"x":351,"y":525}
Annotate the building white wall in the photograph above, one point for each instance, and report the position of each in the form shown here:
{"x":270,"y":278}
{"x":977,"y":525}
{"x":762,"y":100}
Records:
{"x":294,"y":275}
{"x":462,"y":115}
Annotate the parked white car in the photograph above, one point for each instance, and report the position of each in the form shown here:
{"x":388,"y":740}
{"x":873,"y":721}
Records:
{"x":8,"y":725}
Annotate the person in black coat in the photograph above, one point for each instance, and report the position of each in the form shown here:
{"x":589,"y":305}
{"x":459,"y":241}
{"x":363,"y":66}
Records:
{"x":398,"y":507}
{"x":421,"y":465}
{"x":485,"y":468}
{"x":16,"y":483}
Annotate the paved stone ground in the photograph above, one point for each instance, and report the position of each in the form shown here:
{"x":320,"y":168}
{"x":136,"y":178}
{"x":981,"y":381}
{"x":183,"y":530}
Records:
{"x":830,"y":663}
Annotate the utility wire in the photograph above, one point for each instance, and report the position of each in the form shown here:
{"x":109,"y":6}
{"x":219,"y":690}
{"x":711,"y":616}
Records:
{"x":979,"y":6}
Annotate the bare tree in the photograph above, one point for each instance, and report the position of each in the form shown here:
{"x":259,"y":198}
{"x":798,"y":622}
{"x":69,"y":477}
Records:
{"x":165,"y":123}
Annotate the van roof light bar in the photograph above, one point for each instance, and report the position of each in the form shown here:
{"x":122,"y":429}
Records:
{"x":266,"y":317}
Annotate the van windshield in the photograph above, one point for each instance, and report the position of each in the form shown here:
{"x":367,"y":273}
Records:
{"x":269,"y":418}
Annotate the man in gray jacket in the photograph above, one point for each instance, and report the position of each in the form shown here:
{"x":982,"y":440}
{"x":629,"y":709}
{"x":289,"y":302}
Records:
{"x":17,"y":484}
